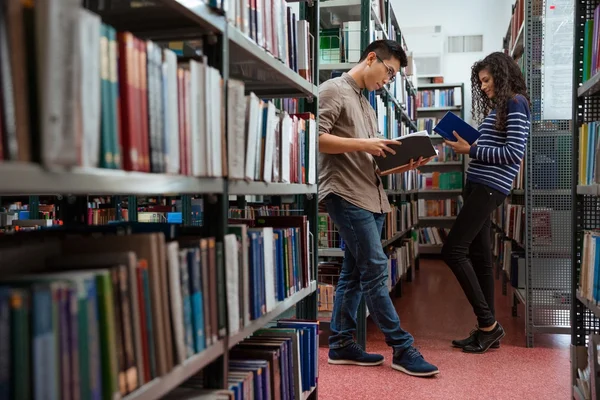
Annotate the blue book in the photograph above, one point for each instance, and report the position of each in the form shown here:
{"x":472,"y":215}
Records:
{"x":452,"y":122}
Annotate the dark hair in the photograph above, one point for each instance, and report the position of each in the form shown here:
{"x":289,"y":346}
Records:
{"x":386,"y":49}
{"x":508,"y":82}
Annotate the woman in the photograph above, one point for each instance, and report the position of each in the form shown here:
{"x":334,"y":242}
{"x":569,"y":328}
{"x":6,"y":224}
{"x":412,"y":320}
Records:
{"x":501,"y":106}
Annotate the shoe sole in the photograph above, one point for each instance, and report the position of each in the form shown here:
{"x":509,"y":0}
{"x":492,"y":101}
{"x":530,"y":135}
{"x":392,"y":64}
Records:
{"x":350,"y":362}
{"x":420,"y":374}
{"x":462,"y":347}
{"x":484,"y":350}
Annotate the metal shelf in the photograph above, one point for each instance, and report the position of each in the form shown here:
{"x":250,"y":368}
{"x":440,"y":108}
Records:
{"x":164,"y":19}
{"x":159,"y":387}
{"x":262,"y":73}
{"x":269,"y":189}
{"x":435,"y":109}
{"x":270,"y":316}
{"x":33,"y":179}
{"x":590,"y":87}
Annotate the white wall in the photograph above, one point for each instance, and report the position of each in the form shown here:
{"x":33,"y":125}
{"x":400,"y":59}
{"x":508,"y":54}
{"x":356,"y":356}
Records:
{"x":489,"y":18}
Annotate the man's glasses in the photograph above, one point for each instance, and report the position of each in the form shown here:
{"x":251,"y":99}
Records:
{"x":390,"y":70}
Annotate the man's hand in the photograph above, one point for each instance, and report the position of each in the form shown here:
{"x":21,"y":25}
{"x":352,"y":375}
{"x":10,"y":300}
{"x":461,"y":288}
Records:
{"x":378,"y":147}
{"x":421,"y":162}
{"x":461,"y":146}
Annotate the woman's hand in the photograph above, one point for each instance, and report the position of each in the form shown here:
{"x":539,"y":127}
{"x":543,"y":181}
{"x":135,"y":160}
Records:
{"x":461,"y":146}
{"x":378,"y":147}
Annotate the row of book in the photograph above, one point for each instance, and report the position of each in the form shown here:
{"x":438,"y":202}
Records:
{"x":513,"y":264}
{"x":589,"y":150}
{"x":275,"y":27}
{"x":120,"y":102}
{"x":591,"y":46}
{"x":402,"y":217}
{"x":401,"y":258}
{"x":266,"y":144}
{"x":405,"y":181}
{"x":279,"y":362}
{"x":427,"y":124}
{"x":252,"y":212}
{"x":432,"y":235}
{"x":449,"y":207}
{"x":446,"y":153}
{"x":440,"y":180}
{"x":516,"y":22}
{"x":132,"y":301}
{"x":439,"y":97}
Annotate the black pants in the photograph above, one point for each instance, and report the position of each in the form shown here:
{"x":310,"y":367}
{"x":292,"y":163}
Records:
{"x":468,"y":249}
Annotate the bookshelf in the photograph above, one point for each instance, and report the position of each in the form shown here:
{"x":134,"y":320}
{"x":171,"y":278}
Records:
{"x":347,"y":27}
{"x":535,"y":222}
{"x":440,"y":182}
{"x":585,"y":309}
{"x":132,"y":101}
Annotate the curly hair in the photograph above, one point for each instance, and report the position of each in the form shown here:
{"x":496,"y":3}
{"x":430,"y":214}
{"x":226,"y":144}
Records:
{"x":508,"y":82}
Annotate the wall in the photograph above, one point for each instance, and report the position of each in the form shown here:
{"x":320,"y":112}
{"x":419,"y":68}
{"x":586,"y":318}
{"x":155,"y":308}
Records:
{"x":489,"y":18}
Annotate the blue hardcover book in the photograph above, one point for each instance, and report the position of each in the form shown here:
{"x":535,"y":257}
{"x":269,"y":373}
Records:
{"x":195,"y":299}
{"x":452,"y":122}
{"x":186,"y":303}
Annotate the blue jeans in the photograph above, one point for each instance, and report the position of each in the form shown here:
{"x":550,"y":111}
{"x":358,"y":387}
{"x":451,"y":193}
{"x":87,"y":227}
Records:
{"x":364,"y":271}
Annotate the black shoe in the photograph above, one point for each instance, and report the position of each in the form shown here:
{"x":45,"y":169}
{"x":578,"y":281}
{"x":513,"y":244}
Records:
{"x":484,"y":340}
{"x":461,"y":343}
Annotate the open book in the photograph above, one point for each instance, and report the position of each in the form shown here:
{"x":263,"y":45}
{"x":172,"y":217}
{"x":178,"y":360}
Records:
{"x":452,"y":122}
{"x":413,"y":146}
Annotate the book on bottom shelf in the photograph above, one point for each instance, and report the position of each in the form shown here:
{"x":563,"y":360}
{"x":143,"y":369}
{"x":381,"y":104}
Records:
{"x":278,"y":362}
{"x":114,"y":307}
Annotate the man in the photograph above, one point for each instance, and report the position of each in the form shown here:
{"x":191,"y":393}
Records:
{"x":353,"y":194}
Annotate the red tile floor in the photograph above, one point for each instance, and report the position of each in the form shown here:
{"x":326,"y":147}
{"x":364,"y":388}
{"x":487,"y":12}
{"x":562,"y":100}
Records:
{"x":435,"y":311}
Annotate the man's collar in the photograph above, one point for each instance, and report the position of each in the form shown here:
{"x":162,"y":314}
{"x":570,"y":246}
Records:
{"x":351,"y":81}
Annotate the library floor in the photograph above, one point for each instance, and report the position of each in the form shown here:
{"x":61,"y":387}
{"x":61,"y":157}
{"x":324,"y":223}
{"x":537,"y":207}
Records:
{"x":435,"y":311}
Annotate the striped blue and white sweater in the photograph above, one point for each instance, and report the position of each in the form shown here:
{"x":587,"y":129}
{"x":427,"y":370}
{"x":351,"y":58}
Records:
{"x":496,"y":157}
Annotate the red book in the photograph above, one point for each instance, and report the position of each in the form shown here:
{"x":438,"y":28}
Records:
{"x":127,"y":102}
{"x":144,"y":130}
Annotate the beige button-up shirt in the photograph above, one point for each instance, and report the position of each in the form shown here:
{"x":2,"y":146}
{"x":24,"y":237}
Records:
{"x":345,"y":112}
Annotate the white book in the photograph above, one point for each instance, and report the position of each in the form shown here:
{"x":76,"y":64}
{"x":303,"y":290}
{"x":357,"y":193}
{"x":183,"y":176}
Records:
{"x":216,"y":139}
{"x":253,"y":110}
{"x":232,"y":282}
{"x":259,"y":134}
{"x":286,"y":133}
{"x":269,"y":260}
{"x":312,"y":151}
{"x":55,"y":24}
{"x":171,"y":112}
{"x":351,"y":31}
{"x":87,"y":50}
{"x":196,"y":104}
{"x":236,"y":139}
{"x":269,"y":142}
{"x":176,"y":301}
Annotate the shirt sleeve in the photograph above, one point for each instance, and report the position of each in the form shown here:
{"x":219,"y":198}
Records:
{"x":330,"y":107}
{"x":517,"y":133}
